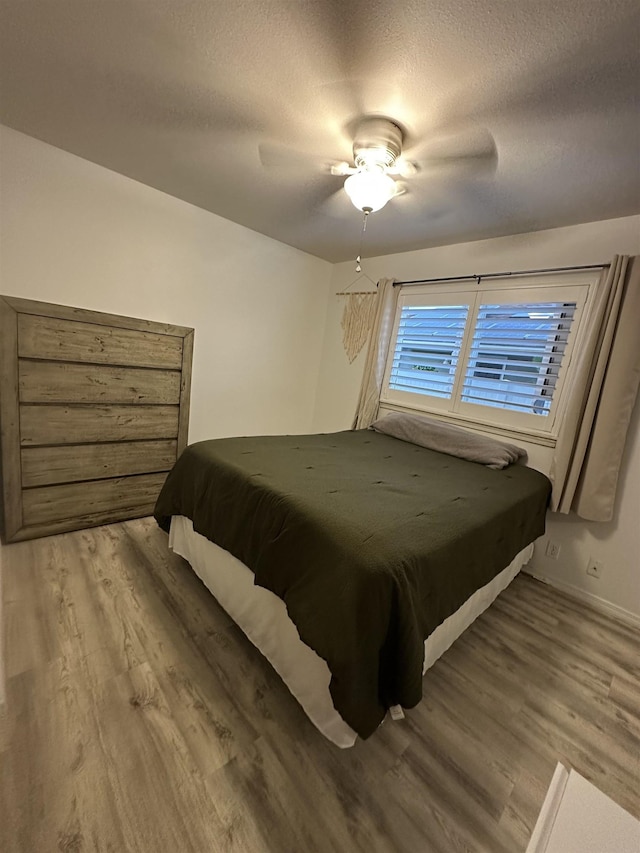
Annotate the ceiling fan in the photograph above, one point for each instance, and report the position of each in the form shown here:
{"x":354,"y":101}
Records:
{"x":378,"y":159}
{"x":377,"y":149}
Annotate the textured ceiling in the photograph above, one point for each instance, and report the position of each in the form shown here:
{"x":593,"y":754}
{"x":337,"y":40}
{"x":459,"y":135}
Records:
{"x":238,"y":106}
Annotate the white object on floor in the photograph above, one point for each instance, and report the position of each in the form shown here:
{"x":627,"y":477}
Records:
{"x":264,"y":619}
{"x":576,"y":817}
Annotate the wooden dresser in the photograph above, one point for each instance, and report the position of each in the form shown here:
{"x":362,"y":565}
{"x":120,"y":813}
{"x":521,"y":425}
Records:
{"x":94,"y":411}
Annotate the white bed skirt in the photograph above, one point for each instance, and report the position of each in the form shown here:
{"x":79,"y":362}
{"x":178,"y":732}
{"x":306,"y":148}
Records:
{"x":264,"y":619}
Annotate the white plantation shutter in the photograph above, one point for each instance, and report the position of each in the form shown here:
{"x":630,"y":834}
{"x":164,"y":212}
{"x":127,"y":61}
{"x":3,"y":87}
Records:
{"x":515,"y":355}
{"x":427,"y":348}
{"x":498,"y":354}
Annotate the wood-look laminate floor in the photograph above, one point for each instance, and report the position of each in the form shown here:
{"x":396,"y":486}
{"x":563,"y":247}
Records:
{"x":139,"y":718}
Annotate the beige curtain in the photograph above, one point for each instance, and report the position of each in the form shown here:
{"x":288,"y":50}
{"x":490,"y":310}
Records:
{"x":587,"y":459}
{"x":369,"y":400}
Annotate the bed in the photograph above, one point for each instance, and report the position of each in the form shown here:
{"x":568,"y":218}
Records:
{"x":340,"y":554}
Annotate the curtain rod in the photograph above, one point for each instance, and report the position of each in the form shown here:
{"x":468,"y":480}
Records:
{"x":478,"y":278}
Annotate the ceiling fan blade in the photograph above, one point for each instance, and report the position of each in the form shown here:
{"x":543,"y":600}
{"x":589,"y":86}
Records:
{"x":342,"y":169}
{"x":404,"y":168}
{"x":283,"y":158}
{"x":471,"y":150}
{"x":338,"y":206}
{"x":429,"y":201}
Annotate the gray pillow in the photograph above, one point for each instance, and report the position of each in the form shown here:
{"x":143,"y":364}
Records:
{"x":444,"y":438}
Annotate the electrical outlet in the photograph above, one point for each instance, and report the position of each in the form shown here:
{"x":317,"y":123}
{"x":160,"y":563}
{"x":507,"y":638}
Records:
{"x":594,"y":568}
{"x":553,"y":550}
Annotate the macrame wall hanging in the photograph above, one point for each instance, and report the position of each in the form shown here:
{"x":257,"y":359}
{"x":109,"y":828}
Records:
{"x":359,"y":309}
{"x":357,"y":320}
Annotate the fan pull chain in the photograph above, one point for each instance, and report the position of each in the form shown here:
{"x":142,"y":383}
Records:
{"x":367,"y":211}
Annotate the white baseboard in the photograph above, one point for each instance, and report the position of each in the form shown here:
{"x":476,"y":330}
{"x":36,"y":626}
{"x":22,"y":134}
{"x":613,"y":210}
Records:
{"x":595,"y":601}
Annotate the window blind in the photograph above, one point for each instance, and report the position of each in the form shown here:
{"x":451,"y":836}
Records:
{"x":516,"y":354}
{"x":427,"y":349}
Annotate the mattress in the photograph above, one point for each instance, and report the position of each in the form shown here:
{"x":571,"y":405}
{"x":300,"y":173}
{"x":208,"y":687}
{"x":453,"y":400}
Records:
{"x":264,"y":619}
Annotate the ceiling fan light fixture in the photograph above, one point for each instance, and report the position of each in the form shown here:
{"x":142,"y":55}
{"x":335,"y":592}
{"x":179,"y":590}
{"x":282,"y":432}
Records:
{"x":370,"y":190}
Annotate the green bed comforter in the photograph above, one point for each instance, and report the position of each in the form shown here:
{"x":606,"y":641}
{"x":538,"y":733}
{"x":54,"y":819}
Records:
{"x":370,"y":541}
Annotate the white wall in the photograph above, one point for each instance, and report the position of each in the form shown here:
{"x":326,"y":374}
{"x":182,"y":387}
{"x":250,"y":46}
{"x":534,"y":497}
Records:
{"x":616,"y":544}
{"x":75,"y":233}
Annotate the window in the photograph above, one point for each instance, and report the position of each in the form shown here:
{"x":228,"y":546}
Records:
{"x":497,"y":353}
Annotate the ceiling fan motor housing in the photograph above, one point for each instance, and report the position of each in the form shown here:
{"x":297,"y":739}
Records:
{"x":377,"y":144}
